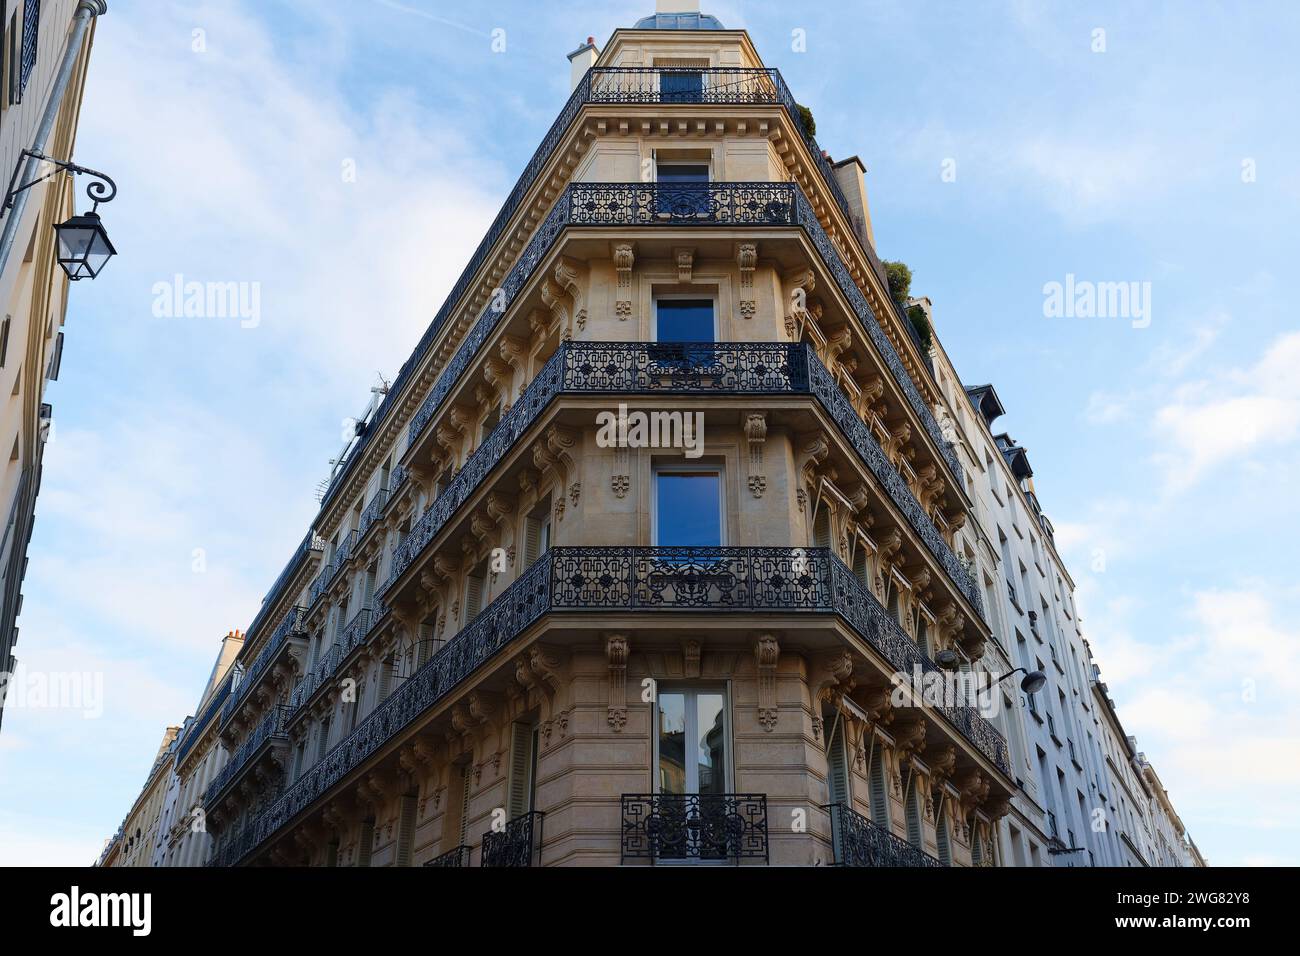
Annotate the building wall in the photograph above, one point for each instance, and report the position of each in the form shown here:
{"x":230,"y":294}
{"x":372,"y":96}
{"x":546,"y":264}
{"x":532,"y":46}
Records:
{"x":33,"y":291}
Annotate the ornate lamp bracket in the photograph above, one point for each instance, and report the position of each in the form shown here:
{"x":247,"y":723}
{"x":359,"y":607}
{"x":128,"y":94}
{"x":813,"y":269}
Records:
{"x":100,"y":189}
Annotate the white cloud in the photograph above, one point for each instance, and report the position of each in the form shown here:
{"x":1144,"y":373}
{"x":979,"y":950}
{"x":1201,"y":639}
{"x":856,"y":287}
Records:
{"x":1206,"y":423}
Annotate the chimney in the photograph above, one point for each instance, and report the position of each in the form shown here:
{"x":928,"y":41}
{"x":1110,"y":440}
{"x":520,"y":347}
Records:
{"x":581,"y":60}
{"x":677,"y":6}
{"x":850,"y":176}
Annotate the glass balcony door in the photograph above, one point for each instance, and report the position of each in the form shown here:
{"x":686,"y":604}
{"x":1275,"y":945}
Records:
{"x":693,"y":760}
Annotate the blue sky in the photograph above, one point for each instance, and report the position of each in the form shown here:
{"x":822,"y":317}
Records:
{"x":1169,"y":451}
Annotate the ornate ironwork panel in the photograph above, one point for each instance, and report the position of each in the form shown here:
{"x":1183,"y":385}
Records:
{"x":457,"y":857}
{"x":519,"y":843}
{"x":860,"y":841}
{"x":757,"y":367}
{"x":694,"y":826}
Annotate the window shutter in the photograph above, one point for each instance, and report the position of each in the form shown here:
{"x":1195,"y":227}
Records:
{"x":879,"y":801}
{"x":473,"y":597}
{"x":860,"y":569}
{"x":532,"y":541}
{"x":367,"y":842}
{"x":913,"y":813}
{"x":521,"y":765}
{"x":837,"y":771}
{"x":464,"y":806}
{"x":945,"y":852}
{"x":406,"y":829}
{"x":385,"y":677}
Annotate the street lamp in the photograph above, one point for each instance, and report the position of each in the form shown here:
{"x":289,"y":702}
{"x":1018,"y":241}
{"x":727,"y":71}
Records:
{"x":84,"y":246}
{"x":1033,"y":682}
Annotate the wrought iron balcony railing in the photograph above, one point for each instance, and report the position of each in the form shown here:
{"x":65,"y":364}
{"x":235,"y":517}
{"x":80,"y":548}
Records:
{"x":518,"y":843}
{"x":374,"y":511}
{"x":756,"y":368}
{"x":652,"y":204}
{"x":860,"y":841}
{"x":727,"y":86}
{"x":457,"y":857}
{"x":291,"y":626}
{"x":271,"y":727}
{"x":679,"y":827}
{"x":610,"y":580}
{"x":352,"y":636}
{"x":331,"y":571}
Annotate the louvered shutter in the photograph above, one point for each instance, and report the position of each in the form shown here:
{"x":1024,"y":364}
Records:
{"x":367,"y":842}
{"x":406,"y":829}
{"x":521,"y":766}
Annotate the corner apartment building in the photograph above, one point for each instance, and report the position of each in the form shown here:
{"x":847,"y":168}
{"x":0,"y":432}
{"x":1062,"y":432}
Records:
{"x":627,"y":565}
{"x":33,"y":289}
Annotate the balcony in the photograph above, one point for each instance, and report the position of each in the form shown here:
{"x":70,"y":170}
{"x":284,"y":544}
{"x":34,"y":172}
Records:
{"x":656,"y":368}
{"x":457,"y":857}
{"x":519,"y":843}
{"x":270,"y":731}
{"x":331,"y":571}
{"x":353,"y":635}
{"x":374,"y":511}
{"x":649,"y":204}
{"x":685,"y":827}
{"x":606,"y":580}
{"x":606,"y":85}
{"x":860,"y":841}
{"x":290,"y":627}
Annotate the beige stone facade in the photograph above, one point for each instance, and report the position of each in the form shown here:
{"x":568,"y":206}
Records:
{"x":33,"y":289}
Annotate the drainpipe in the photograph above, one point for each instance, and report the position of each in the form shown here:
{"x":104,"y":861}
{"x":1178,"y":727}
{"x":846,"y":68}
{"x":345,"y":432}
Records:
{"x":86,"y":10}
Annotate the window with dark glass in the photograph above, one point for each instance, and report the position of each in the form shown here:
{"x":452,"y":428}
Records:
{"x":688,"y":509}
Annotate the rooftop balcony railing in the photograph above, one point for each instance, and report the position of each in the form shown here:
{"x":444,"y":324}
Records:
{"x":681,"y":827}
{"x":291,"y":626}
{"x":518,"y":843}
{"x":753,"y":368}
{"x":611,"y":580}
{"x":270,"y":728}
{"x":860,"y":841}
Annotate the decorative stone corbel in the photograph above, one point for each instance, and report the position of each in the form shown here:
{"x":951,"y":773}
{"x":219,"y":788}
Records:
{"x":691,"y":650}
{"x":616,"y":652}
{"x":797,"y":286}
{"x":685,"y":264}
{"x":909,"y":738}
{"x":747,"y":260}
{"x":569,"y":274}
{"x":755,"y":437}
{"x":621,"y":479}
{"x":624,"y":259}
{"x":766,"y":654}
{"x":814,"y":447}
{"x":553,"y":297}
